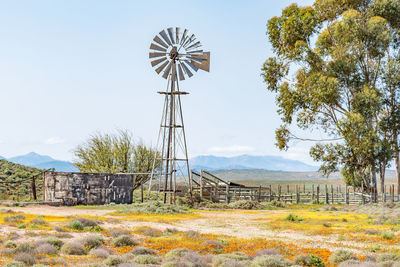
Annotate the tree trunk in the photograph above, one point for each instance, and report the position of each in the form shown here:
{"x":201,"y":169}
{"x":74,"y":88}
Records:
{"x":397,"y":169}
{"x":373,"y":182}
{"x":382,"y":180}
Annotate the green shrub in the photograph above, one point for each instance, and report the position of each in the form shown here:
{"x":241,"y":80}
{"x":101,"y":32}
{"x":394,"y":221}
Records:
{"x":293,"y":218}
{"x":270,"y":261}
{"x":176,"y":253}
{"x":222,"y":260}
{"x":87,"y":222}
{"x":114,"y":260}
{"x":25,"y":257}
{"x":92,"y":241}
{"x":76,"y":225}
{"x":154,"y":207}
{"x":278,"y":204}
{"x":15,"y":264}
{"x":387,"y":235}
{"x":146,"y":259}
{"x":245,"y":205}
{"x":124,"y":240}
{"x":46,"y":248}
{"x":327,"y":224}
{"x":54,"y":241}
{"x":21,"y":226}
{"x":25,"y":247}
{"x":73,"y":248}
{"x":38,"y":221}
{"x":143,"y":251}
{"x":340,"y":256}
{"x":309,"y":260}
{"x":386,"y":257}
{"x":10,"y":244}
{"x":118,"y":231}
{"x":100,"y":253}
{"x":15,"y":219}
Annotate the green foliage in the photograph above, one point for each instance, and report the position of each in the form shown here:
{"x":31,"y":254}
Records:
{"x":146,"y":259}
{"x":16,"y":181}
{"x":124,"y":240}
{"x":225,"y":259}
{"x":55,"y":242}
{"x":293,"y":218}
{"x":346,"y":82}
{"x":114,"y":260}
{"x":387,"y":235}
{"x":76,"y":225}
{"x":73,"y":248}
{"x":340,"y":256}
{"x":92,"y":241}
{"x":15,"y":264}
{"x":270,"y":261}
{"x":114,"y":153}
{"x":153,"y":207}
{"x":309,"y":260}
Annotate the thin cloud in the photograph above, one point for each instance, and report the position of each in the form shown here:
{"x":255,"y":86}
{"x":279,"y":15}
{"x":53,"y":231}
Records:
{"x":230,"y":150}
{"x":54,"y":140}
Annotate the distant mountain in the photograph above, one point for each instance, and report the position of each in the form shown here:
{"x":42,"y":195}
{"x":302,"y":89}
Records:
{"x":35,"y":160}
{"x":248,"y":162}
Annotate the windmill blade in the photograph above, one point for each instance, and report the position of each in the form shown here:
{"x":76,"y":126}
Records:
{"x":171,"y":35}
{"x":165,"y":37}
{"x":189,"y":40}
{"x":178,"y":34}
{"x":186,"y":69}
{"x":180,"y":71}
{"x":159,"y":69}
{"x":205,"y":64}
{"x":156,"y":54}
{"x":191,"y":65}
{"x":158,"y":61}
{"x":167,"y":70}
{"x":195,"y":59}
{"x":199,"y":56}
{"x":193,"y":46}
{"x":160,"y":42}
{"x":195,"y":52}
{"x":184,"y":36}
{"x":158,"y":48}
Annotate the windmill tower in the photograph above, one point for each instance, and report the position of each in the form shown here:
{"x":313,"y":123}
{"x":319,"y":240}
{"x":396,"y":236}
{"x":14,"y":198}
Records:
{"x":175,"y":54}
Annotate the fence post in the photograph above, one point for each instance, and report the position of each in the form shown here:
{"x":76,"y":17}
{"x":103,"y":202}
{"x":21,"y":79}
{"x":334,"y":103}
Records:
{"x":332,"y":194}
{"x":326,"y":195}
{"x":384,"y":193}
{"x":141,"y":193}
{"x":279,"y":192}
{"x":304,"y":188}
{"x":259,"y":194}
{"x":227,"y":193}
{"x":317,"y":194}
{"x":362,"y":193}
{"x":297,"y":195}
{"x":346,"y":195}
{"x":201,"y":184}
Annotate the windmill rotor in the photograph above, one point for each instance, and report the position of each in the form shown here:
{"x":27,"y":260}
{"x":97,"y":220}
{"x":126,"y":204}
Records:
{"x":176,"y":51}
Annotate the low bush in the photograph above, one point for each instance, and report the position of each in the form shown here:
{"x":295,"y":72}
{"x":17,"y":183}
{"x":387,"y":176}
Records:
{"x":245,"y":205}
{"x":351,"y":263}
{"x":76,"y":225}
{"x":154,"y":207}
{"x":87,"y":222}
{"x":146,"y":259}
{"x":38,"y":221}
{"x":212,"y":244}
{"x":92,"y":241}
{"x":278,"y":204}
{"x":73,"y":248}
{"x":270,"y":261}
{"x":25,"y":248}
{"x":25,"y":257}
{"x":148,"y":231}
{"x":46,"y":248}
{"x":309,"y":260}
{"x":267,"y":251}
{"x":222,"y":260}
{"x":55,"y":242}
{"x":115,"y":232}
{"x":15,"y":264}
{"x":387,"y":235}
{"x":191,"y":234}
{"x":143,"y":251}
{"x":340,"y":256}
{"x":124,"y":240}
{"x":293,"y":218}
{"x":386,"y":257}
{"x":192,"y":259}
{"x":114,"y":260}
{"x":15,"y":219}
{"x":100,"y":253}
{"x":10,"y":244}
{"x":176,"y":254}
{"x":371,"y":232}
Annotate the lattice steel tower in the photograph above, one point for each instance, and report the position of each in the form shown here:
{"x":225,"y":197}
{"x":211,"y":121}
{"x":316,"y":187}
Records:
{"x":176,"y":55}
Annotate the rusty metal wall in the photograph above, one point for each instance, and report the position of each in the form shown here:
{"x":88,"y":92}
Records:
{"x":70,"y":188}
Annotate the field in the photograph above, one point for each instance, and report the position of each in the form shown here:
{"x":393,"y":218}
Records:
{"x":131,"y":235}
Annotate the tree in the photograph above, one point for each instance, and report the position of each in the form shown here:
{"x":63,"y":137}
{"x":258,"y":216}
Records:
{"x":340,"y":53}
{"x":107,"y":153}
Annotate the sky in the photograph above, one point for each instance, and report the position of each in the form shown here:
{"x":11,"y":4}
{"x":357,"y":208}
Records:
{"x":69,"y":68}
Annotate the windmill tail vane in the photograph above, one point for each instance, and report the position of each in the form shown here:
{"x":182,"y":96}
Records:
{"x":176,"y":55}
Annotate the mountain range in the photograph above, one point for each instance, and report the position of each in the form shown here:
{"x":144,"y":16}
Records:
{"x":250,"y":162}
{"x":209,"y":162}
{"x":33,"y":159}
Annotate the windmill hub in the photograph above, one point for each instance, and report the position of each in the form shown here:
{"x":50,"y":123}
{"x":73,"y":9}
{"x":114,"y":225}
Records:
{"x":173,"y":54}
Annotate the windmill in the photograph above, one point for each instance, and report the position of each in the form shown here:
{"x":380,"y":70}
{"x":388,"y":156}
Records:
{"x":175,"y":55}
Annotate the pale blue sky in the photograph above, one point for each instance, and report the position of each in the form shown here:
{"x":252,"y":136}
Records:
{"x":69,"y":68}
